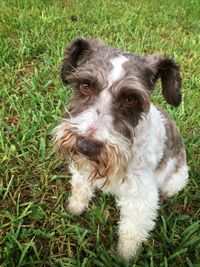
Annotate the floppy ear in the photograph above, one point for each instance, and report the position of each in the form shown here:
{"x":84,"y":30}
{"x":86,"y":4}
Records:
{"x":76,"y":51}
{"x":169,"y":72}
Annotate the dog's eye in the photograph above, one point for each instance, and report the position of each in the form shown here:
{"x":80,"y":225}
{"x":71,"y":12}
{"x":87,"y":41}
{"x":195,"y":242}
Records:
{"x":85,"y":89}
{"x":129,"y":102}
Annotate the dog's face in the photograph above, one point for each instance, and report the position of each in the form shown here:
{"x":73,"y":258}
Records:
{"x":112,"y":91}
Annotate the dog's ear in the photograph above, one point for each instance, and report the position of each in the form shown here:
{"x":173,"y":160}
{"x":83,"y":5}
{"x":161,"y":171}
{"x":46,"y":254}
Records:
{"x":77,"y":49}
{"x":169,"y":72}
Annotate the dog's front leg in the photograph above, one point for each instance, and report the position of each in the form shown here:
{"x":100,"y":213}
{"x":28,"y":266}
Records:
{"x":138,"y":203}
{"x":82,"y":192}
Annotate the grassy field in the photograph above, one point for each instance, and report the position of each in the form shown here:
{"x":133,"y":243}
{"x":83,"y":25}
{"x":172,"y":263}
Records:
{"x":35,"y":229}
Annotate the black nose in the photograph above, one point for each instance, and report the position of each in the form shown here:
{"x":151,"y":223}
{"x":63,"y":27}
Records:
{"x":88,"y":147}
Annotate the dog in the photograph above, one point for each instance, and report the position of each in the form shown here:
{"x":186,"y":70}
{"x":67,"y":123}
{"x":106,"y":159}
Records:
{"x":116,"y":140}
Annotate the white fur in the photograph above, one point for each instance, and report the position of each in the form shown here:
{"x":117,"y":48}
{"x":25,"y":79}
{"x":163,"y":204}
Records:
{"x":137,"y":196}
{"x":117,"y":71}
{"x":175,"y":182}
{"x":82,"y":191}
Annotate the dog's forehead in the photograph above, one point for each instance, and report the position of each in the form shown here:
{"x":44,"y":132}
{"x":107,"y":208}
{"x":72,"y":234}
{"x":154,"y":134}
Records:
{"x":117,"y":70}
{"x":112,"y":65}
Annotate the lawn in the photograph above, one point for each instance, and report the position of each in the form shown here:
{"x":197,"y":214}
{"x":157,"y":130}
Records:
{"x":35,"y":228}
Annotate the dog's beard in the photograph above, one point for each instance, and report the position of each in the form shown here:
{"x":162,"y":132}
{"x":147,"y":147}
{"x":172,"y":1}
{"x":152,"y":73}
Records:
{"x":109,"y":164}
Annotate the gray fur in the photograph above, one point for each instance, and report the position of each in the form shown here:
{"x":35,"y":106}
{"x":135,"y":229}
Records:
{"x":174,"y":146}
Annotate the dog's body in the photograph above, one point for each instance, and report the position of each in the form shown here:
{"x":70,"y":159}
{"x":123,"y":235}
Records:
{"x":117,"y":141}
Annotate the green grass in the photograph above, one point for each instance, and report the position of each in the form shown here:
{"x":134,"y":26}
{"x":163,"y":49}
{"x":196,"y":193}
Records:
{"x":35,"y":229}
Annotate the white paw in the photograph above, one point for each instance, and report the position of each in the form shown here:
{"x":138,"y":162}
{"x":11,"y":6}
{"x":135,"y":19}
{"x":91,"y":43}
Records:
{"x":75,"y":207}
{"x":127,"y":247}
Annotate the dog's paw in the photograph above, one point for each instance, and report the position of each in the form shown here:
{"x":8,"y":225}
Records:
{"x":74,"y":207}
{"x":127,"y":248}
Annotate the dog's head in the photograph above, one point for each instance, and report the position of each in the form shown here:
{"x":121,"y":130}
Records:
{"x":112,"y":91}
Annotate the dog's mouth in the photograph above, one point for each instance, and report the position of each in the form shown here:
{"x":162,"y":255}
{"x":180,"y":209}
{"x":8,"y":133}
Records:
{"x":104,"y":160}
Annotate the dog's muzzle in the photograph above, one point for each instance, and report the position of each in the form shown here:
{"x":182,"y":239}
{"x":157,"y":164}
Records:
{"x":88,"y":147}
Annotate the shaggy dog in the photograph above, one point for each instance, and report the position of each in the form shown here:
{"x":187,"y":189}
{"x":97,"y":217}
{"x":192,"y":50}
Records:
{"x":116,"y":139}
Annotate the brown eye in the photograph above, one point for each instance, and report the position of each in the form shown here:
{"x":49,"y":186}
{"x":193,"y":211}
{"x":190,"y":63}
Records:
{"x":85,"y":89}
{"x":129,"y":102}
